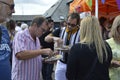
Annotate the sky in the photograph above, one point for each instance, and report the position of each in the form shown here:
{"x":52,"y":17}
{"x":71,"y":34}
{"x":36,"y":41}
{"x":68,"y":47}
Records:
{"x":32,"y":7}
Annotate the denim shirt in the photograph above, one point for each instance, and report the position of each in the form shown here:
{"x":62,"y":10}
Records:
{"x":5,"y":51}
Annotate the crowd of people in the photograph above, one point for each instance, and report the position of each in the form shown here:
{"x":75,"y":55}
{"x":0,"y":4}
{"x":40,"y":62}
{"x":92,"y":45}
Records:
{"x":93,"y":47}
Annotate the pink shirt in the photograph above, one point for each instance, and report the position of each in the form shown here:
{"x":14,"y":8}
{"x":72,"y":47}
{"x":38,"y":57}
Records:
{"x":25,"y":69}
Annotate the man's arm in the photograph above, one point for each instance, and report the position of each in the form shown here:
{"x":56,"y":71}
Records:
{"x":49,"y":38}
{"x":53,"y":36}
{"x":28,"y":54}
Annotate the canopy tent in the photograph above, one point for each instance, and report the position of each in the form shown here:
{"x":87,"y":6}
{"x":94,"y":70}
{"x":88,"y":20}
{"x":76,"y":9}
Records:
{"x":106,"y":8}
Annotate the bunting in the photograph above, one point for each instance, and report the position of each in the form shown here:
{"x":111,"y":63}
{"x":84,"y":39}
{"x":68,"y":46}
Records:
{"x":103,"y":1}
{"x":118,"y":3}
{"x":89,"y":4}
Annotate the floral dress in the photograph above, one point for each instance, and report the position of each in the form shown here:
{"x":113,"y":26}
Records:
{"x":114,"y":72}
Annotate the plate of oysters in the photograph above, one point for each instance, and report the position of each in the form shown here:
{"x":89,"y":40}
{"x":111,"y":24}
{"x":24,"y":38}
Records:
{"x":63,"y":48}
{"x":53,"y":58}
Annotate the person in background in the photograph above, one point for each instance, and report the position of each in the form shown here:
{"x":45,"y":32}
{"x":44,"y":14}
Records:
{"x":114,"y":43}
{"x":70,"y":35}
{"x":24,"y":26}
{"x":104,"y":27}
{"x":47,"y":68}
{"x":6,"y":10}
{"x":91,"y":58}
{"x":11,"y":30}
{"x":63,"y":24}
{"x":26,"y":60}
{"x":18,"y":26}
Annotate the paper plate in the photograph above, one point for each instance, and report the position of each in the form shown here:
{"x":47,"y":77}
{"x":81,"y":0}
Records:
{"x":53,"y":58}
{"x":64,"y":48}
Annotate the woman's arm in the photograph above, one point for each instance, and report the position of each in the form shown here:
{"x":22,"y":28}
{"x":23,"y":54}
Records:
{"x":115,"y":63}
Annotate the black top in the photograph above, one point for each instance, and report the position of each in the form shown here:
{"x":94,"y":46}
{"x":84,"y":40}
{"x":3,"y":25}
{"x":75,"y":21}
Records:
{"x":56,"y":32}
{"x":45,"y":44}
{"x":81,"y":61}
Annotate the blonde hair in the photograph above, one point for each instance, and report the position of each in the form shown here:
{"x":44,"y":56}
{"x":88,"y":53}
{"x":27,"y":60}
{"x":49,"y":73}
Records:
{"x":90,"y":33}
{"x":114,"y":30}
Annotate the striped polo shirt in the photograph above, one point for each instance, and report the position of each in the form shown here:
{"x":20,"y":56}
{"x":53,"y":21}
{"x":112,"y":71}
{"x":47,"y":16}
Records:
{"x":25,"y":69}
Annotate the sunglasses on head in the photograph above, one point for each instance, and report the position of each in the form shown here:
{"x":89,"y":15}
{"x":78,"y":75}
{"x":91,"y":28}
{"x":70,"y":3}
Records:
{"x":10,"y":5}
{"x":72,"y":25}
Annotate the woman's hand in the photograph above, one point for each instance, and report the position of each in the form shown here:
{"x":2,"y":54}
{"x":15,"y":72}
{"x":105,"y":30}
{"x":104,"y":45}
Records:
{"x":115,"y":63}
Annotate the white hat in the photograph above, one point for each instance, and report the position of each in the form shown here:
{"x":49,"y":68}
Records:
{"x":85,"y":14}
{"x":24,"y":26}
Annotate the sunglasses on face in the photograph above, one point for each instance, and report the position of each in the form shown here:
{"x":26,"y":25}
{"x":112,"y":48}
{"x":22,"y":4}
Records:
{"x":10,"y":5}
{"x":72,"y":25}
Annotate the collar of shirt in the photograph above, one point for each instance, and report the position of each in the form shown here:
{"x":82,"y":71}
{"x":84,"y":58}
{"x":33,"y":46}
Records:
{"x":75,"y":29}
{"x":28,"y":34}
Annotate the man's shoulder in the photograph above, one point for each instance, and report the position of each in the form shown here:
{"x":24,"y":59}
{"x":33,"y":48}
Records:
{"x":3,"y":28}
{"x":5,"y":41}
{"x":22,"y":33}
{"x":4,"y":32}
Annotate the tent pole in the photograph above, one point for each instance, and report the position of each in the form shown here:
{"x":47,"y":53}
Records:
{"x":96,"y":8}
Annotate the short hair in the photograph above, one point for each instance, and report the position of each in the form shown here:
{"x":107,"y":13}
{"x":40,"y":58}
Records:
{"x":18,"y":23}
{"x":11,"y":24}
{"x":49,"y":20}
{"x":38,"y":20}
{"x":75,"y":15}
{"x":114,"y":30}
{"x":102,"y":20}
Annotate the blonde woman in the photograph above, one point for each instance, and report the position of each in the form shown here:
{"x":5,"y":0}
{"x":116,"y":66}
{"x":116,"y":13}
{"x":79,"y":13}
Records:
{"x":114,"y":42}
{"x":89,"y":59}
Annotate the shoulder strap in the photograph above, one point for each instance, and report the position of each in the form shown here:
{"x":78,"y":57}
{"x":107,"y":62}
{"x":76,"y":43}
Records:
{"x":76,"y":36}
{"x":62,"y":34}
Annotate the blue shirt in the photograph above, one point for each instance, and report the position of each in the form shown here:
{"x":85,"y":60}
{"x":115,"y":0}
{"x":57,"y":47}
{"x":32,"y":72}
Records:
{"x":5,"y":50}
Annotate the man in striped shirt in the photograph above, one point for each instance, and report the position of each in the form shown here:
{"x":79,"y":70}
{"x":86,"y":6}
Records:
{"x":27,"y":53}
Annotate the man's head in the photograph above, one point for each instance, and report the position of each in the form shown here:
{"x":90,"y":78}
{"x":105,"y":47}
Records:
{"x":39,"y":26}
{"x":73,"y":20}
{"x":50,"y":23}
{"x":6,"y":10}
{"x":18,"y":24}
